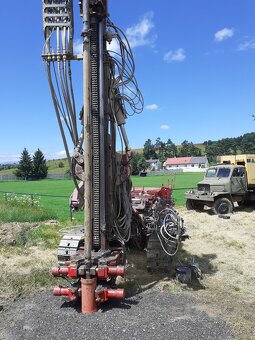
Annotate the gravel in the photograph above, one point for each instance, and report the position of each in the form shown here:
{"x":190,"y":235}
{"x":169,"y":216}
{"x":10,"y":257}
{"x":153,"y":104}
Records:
{"x":152,"y":314}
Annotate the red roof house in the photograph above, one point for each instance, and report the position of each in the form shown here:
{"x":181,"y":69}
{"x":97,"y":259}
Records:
{"x":186,"y":163}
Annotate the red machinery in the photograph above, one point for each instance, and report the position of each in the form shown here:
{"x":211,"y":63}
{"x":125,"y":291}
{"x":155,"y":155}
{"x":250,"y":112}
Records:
{"x":147,"y":196}
{"x":91,"y":256}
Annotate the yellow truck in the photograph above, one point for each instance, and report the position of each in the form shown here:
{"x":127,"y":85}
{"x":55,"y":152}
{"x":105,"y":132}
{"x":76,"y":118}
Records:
{"x":231,"y":180}
{"x":247,"y":160}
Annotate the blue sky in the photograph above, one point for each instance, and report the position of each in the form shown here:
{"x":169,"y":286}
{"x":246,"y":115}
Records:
{"x":195,"y":64}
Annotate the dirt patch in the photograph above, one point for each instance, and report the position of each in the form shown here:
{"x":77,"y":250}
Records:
{"x":10,"y":232}
{"x":224,"y":249}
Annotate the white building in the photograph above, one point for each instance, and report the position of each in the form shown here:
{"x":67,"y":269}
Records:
{"x":192,"y":164}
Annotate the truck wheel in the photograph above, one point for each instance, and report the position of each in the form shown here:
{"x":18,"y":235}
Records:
{"x":242,"y":203}
{"x":199,"y":206}
{"x":190,"y":204}
{"x":222,"y":206}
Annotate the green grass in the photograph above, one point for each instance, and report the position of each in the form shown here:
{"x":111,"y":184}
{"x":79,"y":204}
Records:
{"x":17,"y":213}
{"x":20,"y":285}
{"x":53,"y":167}
{"x":58,"y":208}
{"x":47,"y":236}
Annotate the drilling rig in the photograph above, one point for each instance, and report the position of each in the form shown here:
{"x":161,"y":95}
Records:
{"x":90,"y":257}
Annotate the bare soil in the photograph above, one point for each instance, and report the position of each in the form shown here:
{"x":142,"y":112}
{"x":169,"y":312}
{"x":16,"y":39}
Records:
{"x":10,"y":231}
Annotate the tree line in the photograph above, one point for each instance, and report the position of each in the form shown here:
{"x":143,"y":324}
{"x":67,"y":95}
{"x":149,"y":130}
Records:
{"x":8,"y":166}
{"x":162,"y":150}
{"x":244,"y":144}
{"x":32,"y":167}
{"x":36,"y":167}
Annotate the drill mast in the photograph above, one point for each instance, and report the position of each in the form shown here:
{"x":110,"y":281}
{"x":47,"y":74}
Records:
{"x":93,"y":256}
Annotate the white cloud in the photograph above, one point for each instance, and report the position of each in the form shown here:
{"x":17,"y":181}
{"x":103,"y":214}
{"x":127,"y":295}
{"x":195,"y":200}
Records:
{"x":246,"y":45}
{"x":56,"y":155}
{"x":139,"y":34}
{"x":59,"y":154}
{"x":224,"y":34}
{"x":152,"y":107}
{"x":78,"y":46}
{"x":177,"y":55}
{"x":164,"y":127}
{"x":9,"y":159}
{"x":113,"y":46}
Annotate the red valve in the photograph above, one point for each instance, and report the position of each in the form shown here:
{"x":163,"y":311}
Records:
{"x":103,"y":272}
{"x":105,"y":294}
{"x":70,"y":293}
{"x":70,"y":271}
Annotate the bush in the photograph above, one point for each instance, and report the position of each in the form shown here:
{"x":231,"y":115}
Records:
{"x":22,"y":200}
{"x":61,"y":164}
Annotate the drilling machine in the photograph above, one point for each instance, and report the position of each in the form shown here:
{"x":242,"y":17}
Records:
{"x":90,"y":257}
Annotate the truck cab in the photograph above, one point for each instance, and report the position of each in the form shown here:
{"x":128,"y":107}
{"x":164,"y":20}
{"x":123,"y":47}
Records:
{"x":225,"y":178}
{"x":222,"y":185}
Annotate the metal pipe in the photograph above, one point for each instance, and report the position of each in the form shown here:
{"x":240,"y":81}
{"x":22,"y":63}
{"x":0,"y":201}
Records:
{"x":58,"y":44}
{"x":87,"y":136}
{"x":102,"y":133}
{"x":125,"y":138}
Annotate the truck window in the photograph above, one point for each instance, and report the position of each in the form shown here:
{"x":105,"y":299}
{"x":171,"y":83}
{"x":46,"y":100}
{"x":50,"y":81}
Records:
{"x":211,"y":172}
{"x":223,"y":172}
{"x":238,"y":172}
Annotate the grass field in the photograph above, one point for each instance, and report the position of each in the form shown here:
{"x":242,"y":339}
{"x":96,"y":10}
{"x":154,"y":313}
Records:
{"x":58,"y":207}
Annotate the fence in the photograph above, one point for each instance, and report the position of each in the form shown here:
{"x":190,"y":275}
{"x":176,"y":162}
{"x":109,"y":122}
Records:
{"x":165,"y":172}
{"x":8,"y":178}
{"x":49,"y":176}
{"x":31,"y":195}
{"x":58,"y":176}
{"x":33,"y":202}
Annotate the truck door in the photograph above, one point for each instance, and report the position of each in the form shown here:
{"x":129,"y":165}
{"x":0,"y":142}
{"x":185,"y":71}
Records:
{"x":238,"y":181}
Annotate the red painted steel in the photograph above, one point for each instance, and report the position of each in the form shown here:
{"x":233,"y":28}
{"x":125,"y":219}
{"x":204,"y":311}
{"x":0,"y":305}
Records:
{"x":70,"y":271}
{"x":70,"y":293}
{"x":88,"y":300}
{"x":104,"y":271}
{"x":105,"y":294}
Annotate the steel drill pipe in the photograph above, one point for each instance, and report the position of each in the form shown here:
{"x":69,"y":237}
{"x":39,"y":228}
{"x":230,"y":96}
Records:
{"x":88,"y":299}
{"x":87,"y":134}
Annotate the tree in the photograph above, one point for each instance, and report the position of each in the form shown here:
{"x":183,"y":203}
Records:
{"x":227,"y":146}
{"x":160,"y":149}
{"x":40,"y":169}
{"x":61,"y":164}
{"x":194,"y":150}
{"x":248,"y":143}
{"x":25,"y":166}
{"x":149,"y":150}
{"x":170,"y":149}
{"x":189,"y":149}
{"x":184,"y":149}
{"x":138,"y":163}
{"x":212,"y":151}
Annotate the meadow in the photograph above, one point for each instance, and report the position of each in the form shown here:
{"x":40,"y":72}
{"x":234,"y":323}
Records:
{"x":58,"y":207}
